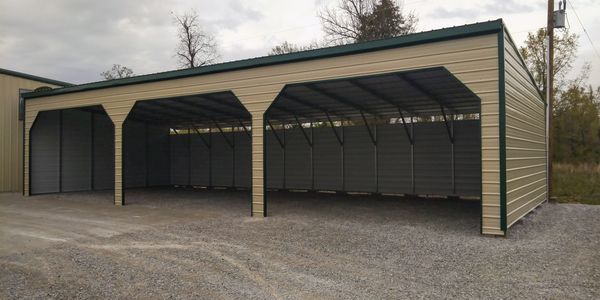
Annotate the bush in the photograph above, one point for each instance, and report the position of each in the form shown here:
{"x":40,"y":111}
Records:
{"x":578,"y":183}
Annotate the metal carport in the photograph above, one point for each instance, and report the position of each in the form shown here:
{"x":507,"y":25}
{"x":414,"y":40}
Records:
{"x":481,"y":57}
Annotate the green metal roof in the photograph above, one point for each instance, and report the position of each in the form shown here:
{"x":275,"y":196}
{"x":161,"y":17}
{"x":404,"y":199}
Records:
{"x":33,"y":77}
{"x":396,"y":42}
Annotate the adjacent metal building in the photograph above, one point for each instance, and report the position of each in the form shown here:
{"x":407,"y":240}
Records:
{"x":450,"y":112}
{"x":12,"y":84}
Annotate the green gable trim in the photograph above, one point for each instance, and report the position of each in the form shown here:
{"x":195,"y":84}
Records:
{"x":502,"y":129}
{"x":34,"y":78}
{"x":396,"y":42}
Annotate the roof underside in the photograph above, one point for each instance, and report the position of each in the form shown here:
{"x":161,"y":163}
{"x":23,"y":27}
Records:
{"x":423,"y":92}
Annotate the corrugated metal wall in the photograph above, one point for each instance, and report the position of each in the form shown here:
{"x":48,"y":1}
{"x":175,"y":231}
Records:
{"x":200,"y":163}
{"x":385,"y":168}
{"x":222,"y":159}
{"x":298,"y":167}
{"x":158,"y":150}
{"x":208,"y":159}
{"x":76,"y":150}
{"x":525,"y":139}
{"x":72,"y":151}
{"x":180,"y":159}
{"x":394,"y":159}
{"x":433,"y":159}
{"x":134,"y":154}
{"x":275,"y":158}
{"x":45,"y":153}
{"x":328,"y":159}
{"x":104,"y":149}
{"x":243,"y":160}
{"x":11,"y":131}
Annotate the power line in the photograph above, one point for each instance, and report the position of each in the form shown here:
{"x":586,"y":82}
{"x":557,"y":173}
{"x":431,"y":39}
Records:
{"x":584,"y":30}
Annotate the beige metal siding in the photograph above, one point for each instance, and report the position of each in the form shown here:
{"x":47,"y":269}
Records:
{"x":11,"y":131}
{"x":473,"y":60}
{"x":525,"y":139}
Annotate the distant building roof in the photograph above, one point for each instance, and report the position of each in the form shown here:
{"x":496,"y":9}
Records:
{"x":33,"y":77}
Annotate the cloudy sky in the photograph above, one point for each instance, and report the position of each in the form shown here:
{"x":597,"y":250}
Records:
{"x":75,"y":40}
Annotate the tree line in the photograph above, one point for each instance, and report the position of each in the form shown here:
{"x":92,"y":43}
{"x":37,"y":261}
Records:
{"x":576,"y":114}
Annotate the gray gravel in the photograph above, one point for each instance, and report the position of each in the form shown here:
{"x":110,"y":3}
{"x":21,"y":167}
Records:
{"x":202,"y":244}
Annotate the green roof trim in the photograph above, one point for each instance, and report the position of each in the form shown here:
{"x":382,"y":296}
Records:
{"x":396,"y":42}
{"x":34,"y":78}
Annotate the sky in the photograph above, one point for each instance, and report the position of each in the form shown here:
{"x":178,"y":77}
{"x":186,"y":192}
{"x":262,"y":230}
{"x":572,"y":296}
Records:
{"x":75,"y":40}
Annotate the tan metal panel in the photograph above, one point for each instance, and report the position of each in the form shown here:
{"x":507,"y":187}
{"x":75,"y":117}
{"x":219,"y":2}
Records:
{"x":11,"y":131}
{"x":472,"y":60}
{"x":525,"y":139}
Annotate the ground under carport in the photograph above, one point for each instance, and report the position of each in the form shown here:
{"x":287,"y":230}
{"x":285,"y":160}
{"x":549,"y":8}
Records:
{"x":203,"y":244}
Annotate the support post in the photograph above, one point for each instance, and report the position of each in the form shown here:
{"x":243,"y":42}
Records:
{"x":312,"y":156}
{"x":550,"y":96}
{"x":412,"y":153}
{"x":259,"y":207}
{"x":119,"y":196}
{"x":453,"y":156}
{"x":233,"y":156}
{"x":118,"y":113}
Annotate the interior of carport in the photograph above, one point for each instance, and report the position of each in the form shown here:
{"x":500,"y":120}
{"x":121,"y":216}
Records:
{"x":200,"y":141}
{"x":405,"y":133}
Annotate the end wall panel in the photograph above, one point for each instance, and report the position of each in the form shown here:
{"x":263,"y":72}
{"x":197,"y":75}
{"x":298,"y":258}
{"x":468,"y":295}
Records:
{"x":243,"y":160}
{"x":298,"y":173}
{"x":159,"y":169}
{"x":467,"y":153}
{"x":274,"y":160}
{"x":433,"y":159}
{"x":45,"y":153}
{"x":180,"y":159}
{"x":76,"y":150}
{"x":200,"y":159}
{"x":134,"y":146}
{"x":327,"y":159}
{"x":359,"y":160}
{"x":394,"y":159}
{"x":222,"y":159}
{"x":104,"y":149}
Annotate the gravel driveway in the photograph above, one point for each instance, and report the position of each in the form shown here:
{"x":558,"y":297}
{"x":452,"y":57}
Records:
{"x":202,"y":244}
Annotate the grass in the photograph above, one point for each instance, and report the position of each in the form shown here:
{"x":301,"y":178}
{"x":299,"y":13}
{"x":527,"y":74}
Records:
{"x":576,"y":183}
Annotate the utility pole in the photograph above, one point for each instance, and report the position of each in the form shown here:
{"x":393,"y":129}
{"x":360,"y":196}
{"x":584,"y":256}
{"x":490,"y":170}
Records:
{"x":550,"y":93}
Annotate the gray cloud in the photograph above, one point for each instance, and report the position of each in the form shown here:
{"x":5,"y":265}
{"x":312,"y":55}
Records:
{"x":75,"y":40}
{"x":487,"y":8}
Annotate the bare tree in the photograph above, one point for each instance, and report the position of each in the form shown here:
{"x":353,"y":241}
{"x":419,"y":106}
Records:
{"x":195,"y":47}
{"x":534,"y":53}
{"x":117,"y":71}
{"x":287,"y":47}
{"x":364,"y":20}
